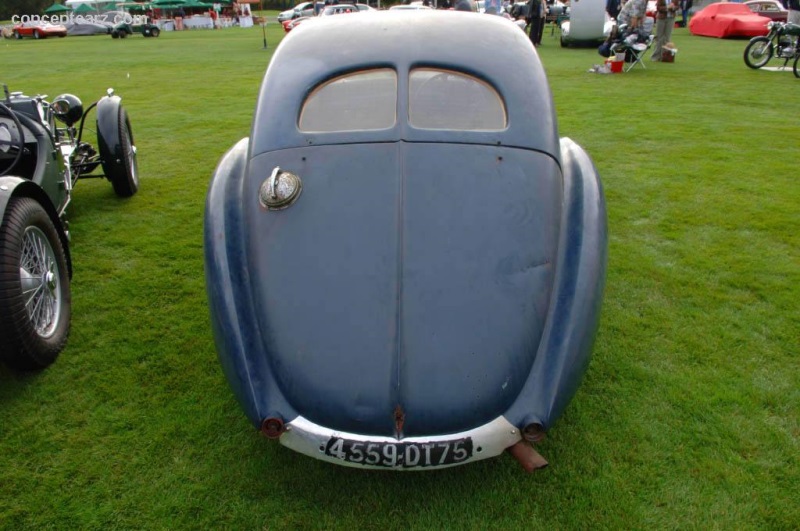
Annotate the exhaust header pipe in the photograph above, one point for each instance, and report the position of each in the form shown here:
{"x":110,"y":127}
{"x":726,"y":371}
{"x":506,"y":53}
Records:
{"x":530,"y":459}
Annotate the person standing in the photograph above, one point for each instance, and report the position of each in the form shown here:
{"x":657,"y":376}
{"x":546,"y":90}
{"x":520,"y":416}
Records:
{"x":612,"y":8}
{"x":632,"y":14}
{"x":665,"y":20}
{"x":179,"y":19}
{"x":536,"y":14}
{"x":236,"y":12}
{"x":686,"y":5}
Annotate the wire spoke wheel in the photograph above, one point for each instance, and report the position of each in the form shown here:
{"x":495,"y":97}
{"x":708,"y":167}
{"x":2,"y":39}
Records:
{"x":39,"y":278}
{"x":35,"y":302}
{"x":758,"y":52}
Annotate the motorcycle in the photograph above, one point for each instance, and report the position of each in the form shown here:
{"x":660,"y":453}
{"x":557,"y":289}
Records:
{"x":781,"y":41}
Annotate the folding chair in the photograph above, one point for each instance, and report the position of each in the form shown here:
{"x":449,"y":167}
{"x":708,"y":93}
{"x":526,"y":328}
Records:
{"x":636,"y":45}
{"x":638,"y":51}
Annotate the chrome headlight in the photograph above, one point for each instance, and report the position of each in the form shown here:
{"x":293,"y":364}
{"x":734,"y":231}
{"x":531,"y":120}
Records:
{"x":67,"y":108}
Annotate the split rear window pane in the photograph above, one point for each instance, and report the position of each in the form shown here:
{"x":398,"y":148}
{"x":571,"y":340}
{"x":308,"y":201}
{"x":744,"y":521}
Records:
{"x":361,"y":101}
{"x":443,"y":99}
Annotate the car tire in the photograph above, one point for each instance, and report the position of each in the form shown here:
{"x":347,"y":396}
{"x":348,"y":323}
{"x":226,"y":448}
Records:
{"x":155,"y":32}
{"x":758,"y":52}
{"x":564,"y":44}
{"x":123,"y":34}
{"x":118,"y":152}
{"x":17,"y":35}
{"x":796,"y":66}
{"x":35,"y":302}
{"x":115,"y":34}
{"x":36,"y":34}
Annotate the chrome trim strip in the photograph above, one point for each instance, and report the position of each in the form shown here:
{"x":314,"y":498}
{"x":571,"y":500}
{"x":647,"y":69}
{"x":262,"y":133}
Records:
{"x":307,"y":438}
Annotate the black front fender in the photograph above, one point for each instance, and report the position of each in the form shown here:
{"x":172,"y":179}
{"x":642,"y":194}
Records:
{"x":108,"y":137}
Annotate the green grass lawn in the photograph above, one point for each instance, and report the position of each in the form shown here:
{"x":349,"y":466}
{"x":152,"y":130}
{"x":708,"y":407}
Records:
{"x":687,"y":417}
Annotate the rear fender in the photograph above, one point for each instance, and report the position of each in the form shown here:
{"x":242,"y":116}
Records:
{"x":237,"y":337}
{"x":19,"y":187}
{"x":574,"y":313}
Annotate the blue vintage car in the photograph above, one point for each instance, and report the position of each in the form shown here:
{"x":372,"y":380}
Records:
{"x":404,"y":262}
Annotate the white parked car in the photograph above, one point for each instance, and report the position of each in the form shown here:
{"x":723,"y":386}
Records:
{"x":304,"y":9}
{"x":588,"y":22}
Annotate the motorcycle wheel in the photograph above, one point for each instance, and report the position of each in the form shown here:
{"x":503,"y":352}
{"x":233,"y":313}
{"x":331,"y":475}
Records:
{"x":796,"y":66}
{"x":758,"y":52}
{"x":35,"y":303}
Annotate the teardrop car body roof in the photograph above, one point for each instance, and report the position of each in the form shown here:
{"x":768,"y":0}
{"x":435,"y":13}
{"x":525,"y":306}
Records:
{"x":323,"y":49}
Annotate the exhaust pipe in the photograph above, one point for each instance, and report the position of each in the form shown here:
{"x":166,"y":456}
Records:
{"x":273,"y":427}
{"x":530,"y":459}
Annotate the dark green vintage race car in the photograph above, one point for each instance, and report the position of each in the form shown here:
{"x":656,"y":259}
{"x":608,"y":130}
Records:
{"x":40,"y":163}
{"x":123,"y":29}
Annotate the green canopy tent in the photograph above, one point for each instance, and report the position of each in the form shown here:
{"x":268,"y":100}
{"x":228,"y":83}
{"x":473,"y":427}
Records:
{"x":197,"y":4}
{"x":168,"y":7}
{"x":137,"y":8}
{"x":133,"y":7}
{"x":167,"y":4}
{"x":57,"y":8}
{"x":83,"y":9}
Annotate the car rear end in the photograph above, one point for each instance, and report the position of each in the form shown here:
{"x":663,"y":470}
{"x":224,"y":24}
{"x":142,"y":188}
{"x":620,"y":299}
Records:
{"x":395,"y":232}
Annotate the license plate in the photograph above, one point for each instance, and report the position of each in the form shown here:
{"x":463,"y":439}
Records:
{"x":400,"y":454}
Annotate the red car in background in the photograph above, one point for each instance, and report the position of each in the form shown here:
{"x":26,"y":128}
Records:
{"x":39,"y":30}
{"x":725,"y":19}
{"x":289,"y":25}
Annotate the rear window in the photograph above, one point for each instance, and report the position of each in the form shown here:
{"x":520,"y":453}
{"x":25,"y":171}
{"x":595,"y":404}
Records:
{"x":438,"y":99}
{"x":444,"y":99}
{"x":361,"y":101}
